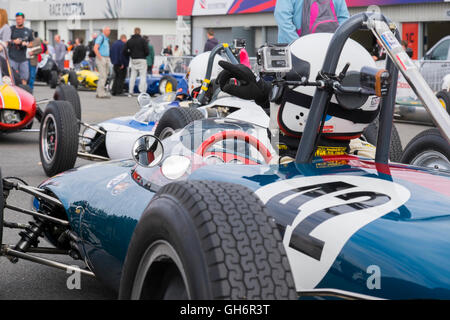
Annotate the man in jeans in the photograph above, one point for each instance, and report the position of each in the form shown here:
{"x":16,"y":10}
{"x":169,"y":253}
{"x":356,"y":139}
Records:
{"x":102,"y":61}
{"x":35,"y":51}
{"x":137,"y":49}
{"x":21,"y":39}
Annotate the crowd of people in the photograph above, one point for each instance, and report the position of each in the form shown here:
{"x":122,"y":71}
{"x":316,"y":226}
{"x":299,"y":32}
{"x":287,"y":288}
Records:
{"x":25,"y":48}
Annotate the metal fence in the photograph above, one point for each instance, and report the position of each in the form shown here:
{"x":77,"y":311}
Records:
{"x":434,"y":72}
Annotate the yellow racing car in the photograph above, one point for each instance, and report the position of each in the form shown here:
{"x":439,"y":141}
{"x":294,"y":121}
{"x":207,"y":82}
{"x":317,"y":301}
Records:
{"x":84,"y":78}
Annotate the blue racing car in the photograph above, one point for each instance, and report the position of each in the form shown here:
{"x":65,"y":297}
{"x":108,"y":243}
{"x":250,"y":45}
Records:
{"x":171,"y":78}
{"x":213,"y":212}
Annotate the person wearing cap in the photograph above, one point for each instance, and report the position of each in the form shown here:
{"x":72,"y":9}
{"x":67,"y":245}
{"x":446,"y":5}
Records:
{"x":21,"y":39}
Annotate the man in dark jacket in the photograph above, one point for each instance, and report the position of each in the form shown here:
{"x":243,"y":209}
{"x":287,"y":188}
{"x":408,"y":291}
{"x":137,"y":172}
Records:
{"x":79,"y":53}
{"x":137,"y":49}
{"x":212,"y":42}
{"x":120,"y":63}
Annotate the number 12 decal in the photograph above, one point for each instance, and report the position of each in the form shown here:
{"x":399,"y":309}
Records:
{"x":322,"y":213}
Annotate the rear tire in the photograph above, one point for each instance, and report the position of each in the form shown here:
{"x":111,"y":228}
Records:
{"x":444,"y":99}
{"x":73,"y":79}
{"x":215,"y":241}
{"x":174,"y":119}
{"x":428,"y":149}
{"x":68,"y":93}
{"x":53,"y":81}
{"x":167,"y":84}
{"x":58,"y":138}
{"x":395,"y":149}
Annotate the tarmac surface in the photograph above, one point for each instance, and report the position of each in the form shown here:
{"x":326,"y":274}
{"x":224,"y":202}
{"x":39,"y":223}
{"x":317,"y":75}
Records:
{"x":19,"y":156}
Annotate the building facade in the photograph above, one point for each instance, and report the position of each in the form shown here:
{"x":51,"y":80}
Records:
{"x":81,"y":18}
{"x":422,"y":22}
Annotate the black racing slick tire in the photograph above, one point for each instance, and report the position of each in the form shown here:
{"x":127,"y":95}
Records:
{"x":73,"y":79}
{"x":68,"y":93}
{"x":370,"y":134}
{"x":53,"y":81}
{"x":2,"y":207}
{"x":174,"y":119}
{"x":428,"y":149}
{"x":444,"y":98}
{"x":58,"y":138}
{"x":205,"y":240}
{"x":167,"y":84}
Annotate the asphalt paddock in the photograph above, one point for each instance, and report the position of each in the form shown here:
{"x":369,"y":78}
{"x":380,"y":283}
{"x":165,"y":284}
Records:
{"x":19,"y":156}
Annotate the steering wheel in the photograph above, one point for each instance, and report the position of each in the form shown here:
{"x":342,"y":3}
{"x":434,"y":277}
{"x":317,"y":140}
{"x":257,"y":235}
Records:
{"x":238,"y":135}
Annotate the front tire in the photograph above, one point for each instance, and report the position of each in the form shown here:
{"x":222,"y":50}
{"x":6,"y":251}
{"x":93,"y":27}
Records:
{"x":167,"y":84}
{"x":2,"y":206}
{"x":68,"y":93}
{"x":53,"y":81}
{"x":428,"y":149}
{"x":58,"y":138}
{"x":444,"y":99}
{"x":73,"y":79}
{"x":174,"y":119}
{"x":206,"y":240}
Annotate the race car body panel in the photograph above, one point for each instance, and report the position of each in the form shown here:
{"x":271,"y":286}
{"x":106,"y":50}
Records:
{"x":241,"y":109}
{"x":17,"y":108}
{"x":346,"y":223}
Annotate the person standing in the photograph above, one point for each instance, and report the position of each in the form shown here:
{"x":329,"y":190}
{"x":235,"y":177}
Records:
{"x":91,"y":45}
{"x":103,"y":62}
{"x":60,"y":52}
{"x":168,"y":51}
{"x":150,"y":57}
{"x":120,"y":63}
{"x":21,"y":39}
{"x":79,"y":53}
{"x":5,"y":29}
{"x":137,"y":49}
{"x":289,"y":16}
{"x":177,"y":52}
{"x":212,"y":42}
{"x":34,"y":52}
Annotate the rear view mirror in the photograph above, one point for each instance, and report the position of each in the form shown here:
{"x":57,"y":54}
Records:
{"x":148,"y":151}
{"x":144,"y":100}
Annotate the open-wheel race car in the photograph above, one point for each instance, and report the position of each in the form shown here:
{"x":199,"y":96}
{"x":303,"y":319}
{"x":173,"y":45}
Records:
{"x":18,"y":107}
{"x":212,"y":211}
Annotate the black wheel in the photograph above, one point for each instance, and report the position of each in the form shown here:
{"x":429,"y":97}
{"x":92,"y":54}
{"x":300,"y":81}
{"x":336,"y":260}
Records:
{"x":26,"y":88}
{"x":174,"y":119}
{"x":206,"y":240}
{"x":444,"y":99}
{"x":53,"y":81}
{"x":428,"y":149}
{"x":68,"y":93}
{"x":58,"y":138}
{"x":73,"y":79}
{"x":371,"y":136}
{"x":167,"y":84}
{"x":2,"y":206}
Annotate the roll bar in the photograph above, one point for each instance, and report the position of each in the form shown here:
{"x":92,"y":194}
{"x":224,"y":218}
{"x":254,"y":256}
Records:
{"x":219,"y":49}
{"x":382,"y":28}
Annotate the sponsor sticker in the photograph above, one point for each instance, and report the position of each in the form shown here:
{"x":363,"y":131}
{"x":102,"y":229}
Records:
{"x":405,"y":61}
{"x":390,"y":41}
